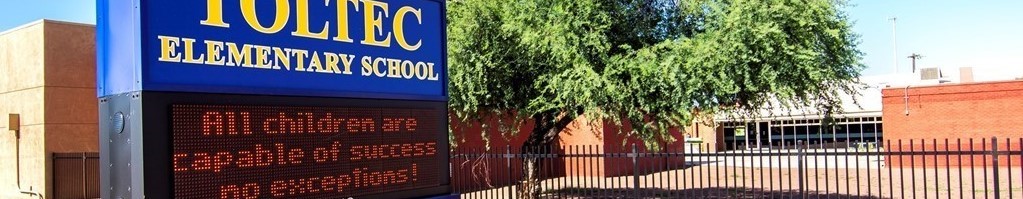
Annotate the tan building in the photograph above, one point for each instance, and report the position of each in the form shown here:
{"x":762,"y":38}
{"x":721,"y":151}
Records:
{"x":48,"y":82}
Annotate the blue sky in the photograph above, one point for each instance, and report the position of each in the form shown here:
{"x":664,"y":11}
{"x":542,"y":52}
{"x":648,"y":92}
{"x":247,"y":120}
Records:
{"x":948,"y":33}
{"x":17,"y":12}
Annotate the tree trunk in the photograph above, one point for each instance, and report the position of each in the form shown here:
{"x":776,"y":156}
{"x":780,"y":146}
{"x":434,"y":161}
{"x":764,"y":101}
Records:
{"x":530,"y":187}
{"x":547,"y":125}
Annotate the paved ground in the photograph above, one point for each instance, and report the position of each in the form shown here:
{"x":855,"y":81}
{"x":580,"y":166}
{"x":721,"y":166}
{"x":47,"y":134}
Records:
{"x":722,"y":182}
{"x":780,"y":159}
{"x":777,"y":177}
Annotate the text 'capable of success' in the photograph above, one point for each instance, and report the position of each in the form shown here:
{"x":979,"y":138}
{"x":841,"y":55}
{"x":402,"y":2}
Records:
{"x":240,"y":123}
{"x":220,"y":53}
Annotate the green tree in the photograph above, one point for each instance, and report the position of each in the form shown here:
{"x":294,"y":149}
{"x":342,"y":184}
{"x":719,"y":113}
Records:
{"x":652,"y":64}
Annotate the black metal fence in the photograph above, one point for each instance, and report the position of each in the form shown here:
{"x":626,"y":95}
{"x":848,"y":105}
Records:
{"x":982,"y":168}
{"x":76,"y":175}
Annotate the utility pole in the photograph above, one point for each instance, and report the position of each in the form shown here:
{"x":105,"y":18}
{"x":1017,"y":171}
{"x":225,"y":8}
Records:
{"x":895,"y":47}
{"x":914,"y":57}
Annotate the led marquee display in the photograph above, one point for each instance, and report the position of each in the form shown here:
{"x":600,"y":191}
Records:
{"x":229,"y":151}
{"x":275,"y":99}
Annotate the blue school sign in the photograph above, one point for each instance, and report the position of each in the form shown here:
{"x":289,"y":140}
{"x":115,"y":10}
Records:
{"x":336,"y":48}
{"x":272,"y":98}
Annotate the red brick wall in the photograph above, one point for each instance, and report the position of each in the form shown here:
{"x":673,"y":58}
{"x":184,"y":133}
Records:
{"x":618,"y":143}
{"x":580,"y":137}
{"x":954,"y":111}
{"x":474,"y":173}
{"x":470,"y":136}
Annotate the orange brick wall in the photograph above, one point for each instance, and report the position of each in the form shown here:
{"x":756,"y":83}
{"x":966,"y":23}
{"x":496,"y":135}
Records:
{"x":580,"y":137}
{"x":954,"y":111}
{"x":471,"y":173}
{"x":619,"y":143}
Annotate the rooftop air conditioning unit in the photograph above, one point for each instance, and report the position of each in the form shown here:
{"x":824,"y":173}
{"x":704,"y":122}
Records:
{"x":930,"y":73}
{"x":933,"y":76}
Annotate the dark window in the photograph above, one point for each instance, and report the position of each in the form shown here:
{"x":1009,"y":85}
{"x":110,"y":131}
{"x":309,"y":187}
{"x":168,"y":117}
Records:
{"x":815,"y":129}
{"x":869,"y":128}
{"x":788,"y":130}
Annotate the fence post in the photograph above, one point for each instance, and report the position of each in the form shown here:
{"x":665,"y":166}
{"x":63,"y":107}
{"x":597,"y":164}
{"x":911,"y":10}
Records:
{"x":85,"y":175}
{"x":994,"y":163}
{"x":800,"y":159}
{"x":507,"y":160}
{"x":635,"y":171}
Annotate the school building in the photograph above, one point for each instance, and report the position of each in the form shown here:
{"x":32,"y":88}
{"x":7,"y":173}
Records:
{"x":47,"y":108}
{"x":963,"y":116}
{"x":928,"y":104}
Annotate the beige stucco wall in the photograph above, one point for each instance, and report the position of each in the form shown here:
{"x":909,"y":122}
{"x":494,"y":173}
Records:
{"x":47,"y":76}
{"x":711,"y":133}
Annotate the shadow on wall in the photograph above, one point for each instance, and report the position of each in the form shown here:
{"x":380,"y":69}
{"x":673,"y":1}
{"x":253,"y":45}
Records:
{"x":688,"y":193}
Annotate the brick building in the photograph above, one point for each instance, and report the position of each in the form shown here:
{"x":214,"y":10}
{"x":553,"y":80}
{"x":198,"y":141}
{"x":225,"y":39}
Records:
{"x":929,"y":115}
{"x":602,"y":137}
{"x":582,"y":136}
{"x":955,"y":111}
{"x":939,"y":107}
{"x":47,"y":102}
